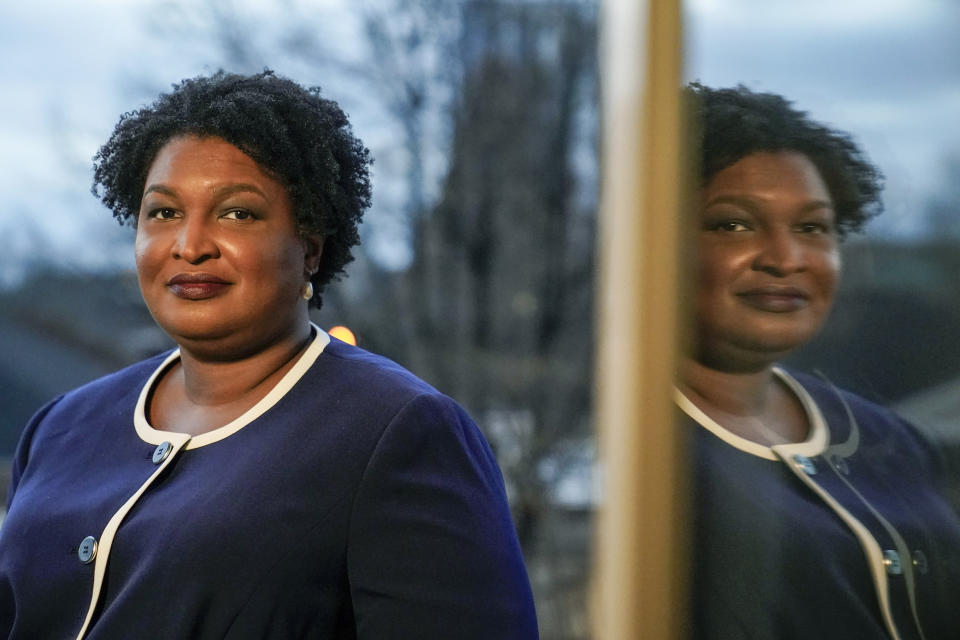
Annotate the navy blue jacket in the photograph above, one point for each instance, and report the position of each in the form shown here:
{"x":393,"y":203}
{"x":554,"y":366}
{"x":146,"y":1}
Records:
{"x":354,"y":501}
{"x":843,"y":536}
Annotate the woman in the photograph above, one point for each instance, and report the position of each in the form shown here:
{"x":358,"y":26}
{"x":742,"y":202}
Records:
{"x":262,"y":480}
{"x":817,"y":513}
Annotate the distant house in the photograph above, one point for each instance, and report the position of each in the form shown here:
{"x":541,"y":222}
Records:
{"x":936,"y":411}
{"x":49,"y":344}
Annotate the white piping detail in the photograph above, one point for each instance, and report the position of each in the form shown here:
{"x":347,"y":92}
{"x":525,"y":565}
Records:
{"x":711,"y":425}
{"x":817,"y":440}
{"x":178,"y":440}
{"x":154,"y":436}
{"x":183,"y":442}
{"x":816,"y":444}
{"x":902,"y":547}
{"x":867,"y":542}
{"x":849,"y":447}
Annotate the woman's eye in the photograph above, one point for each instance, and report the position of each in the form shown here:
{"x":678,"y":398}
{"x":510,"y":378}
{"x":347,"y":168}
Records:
{"x":729,"y":225}
{"x":814,"y":227}
{"x":163,"y":214}
{"x":238,"y":214}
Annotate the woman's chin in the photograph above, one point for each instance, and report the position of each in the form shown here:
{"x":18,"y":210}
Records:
{"x":196,"y":330}
{"x":746,"y":356}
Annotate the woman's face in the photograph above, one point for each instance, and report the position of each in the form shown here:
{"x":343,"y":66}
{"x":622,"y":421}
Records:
{"x":768,"y":260}
{"x":219,"y":256}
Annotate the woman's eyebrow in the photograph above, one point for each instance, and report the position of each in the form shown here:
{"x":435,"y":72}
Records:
{"x":220,"y":192}
{"x":748,"y":202}
{"x":241,"y":187}
{"x":740,"y":200}
{"x":159,"y":188}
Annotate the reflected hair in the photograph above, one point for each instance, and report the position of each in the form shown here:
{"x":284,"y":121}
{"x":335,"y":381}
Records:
{"x":733,"y":123}
{"x":296,"y":136}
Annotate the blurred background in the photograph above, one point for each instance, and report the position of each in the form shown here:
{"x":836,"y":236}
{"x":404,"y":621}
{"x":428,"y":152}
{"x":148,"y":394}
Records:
{"x":477,"y":264}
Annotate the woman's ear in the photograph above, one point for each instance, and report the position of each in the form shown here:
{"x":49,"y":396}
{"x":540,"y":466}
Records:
{"x":312,"y":250}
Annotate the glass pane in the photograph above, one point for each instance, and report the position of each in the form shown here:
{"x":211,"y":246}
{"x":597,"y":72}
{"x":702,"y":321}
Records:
{"x":476,"y":264}
{"x":886,"y":73}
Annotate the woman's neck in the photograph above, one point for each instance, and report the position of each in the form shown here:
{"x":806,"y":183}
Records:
{"x":208,"y":381}
{"x":200,"y":393}
{"x":734,"y":393}
{"x":755,"y":405}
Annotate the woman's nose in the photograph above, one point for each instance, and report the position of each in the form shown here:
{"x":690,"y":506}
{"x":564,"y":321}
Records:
{"x":195,"y":241}
{"x":780,"y":253}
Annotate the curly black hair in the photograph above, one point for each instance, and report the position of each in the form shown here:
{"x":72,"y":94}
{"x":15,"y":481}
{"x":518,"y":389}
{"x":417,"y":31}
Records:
{"x":735,"y":122}
{"x":303,"y":140}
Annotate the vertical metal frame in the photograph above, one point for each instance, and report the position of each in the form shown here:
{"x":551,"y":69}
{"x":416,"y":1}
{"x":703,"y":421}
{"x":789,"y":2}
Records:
{"x":639,"y":588}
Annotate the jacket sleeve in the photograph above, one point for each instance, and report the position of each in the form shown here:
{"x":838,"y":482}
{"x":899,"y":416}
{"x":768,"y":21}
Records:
{"x":22,"y":454}
{"x":432,"y":551}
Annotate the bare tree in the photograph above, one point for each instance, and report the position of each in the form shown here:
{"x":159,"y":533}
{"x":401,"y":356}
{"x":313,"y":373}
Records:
{"x":502,"y":272}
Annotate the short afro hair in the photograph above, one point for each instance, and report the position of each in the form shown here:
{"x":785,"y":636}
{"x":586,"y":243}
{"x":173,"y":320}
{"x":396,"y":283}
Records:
{"x":301,"y":139}
{"x":736,"y":122}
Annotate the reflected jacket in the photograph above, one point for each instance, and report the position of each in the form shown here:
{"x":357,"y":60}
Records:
{"x":354,"y":501}
{"x":846,"y":535}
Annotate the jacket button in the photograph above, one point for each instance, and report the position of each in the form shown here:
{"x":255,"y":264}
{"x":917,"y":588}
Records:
{"x":840,"y":464}
{"x":805,"y":464}
{"x":891,"y":560}
{"x":161,"y":452}
{"x":920,"y":561}
{"x":88,"y":550}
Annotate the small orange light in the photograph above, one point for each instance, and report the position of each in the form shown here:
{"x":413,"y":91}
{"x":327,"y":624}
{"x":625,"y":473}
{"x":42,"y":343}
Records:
{"x":342,"y":333}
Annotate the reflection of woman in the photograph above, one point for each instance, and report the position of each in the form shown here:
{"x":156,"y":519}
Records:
{"x":263,"y":480}
{"x":817,"y":514}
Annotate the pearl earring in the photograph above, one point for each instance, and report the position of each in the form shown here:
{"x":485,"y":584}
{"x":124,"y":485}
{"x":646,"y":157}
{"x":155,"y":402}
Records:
{"x":306,"y":291}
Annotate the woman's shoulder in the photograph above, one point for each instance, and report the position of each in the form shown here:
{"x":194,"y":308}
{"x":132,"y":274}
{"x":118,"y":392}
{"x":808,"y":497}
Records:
{"x":128,"y":380}
{"x":110,"y":395}
{"x":824,"y":391}
{"x":95,"y":402}
{"x":364,"y":392}
{"x":370,"y":373}
{"x":377,"y":401}
{"x":840,"y":407}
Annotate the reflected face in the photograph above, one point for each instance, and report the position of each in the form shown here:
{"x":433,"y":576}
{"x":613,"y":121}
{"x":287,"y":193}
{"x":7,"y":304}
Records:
{"x":219,"y":255}
{"x":768,"y":260}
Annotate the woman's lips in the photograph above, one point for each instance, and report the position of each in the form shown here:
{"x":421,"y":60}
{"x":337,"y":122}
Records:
{"x":196,"y":286}
{"x":775,"y":299}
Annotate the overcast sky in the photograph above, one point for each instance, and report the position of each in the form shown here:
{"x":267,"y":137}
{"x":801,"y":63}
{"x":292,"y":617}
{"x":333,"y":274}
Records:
{"x":888,"y":71}
{"x":70,"y":69}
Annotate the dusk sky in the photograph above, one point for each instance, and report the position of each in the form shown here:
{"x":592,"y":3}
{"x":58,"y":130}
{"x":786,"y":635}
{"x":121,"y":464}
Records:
{"x":888,"y":71}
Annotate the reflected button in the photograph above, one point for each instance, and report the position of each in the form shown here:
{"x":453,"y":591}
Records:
{"x":87,"y":550}
{"x":161,"y":452}
{"x":805,"y":464}
{"x":840,"y":464}
{"x":891,"y":560}
{"x":920,"y":561}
